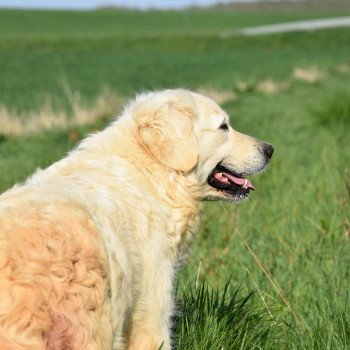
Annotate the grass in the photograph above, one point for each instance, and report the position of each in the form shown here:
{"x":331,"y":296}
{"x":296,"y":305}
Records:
{"x":229,"y":319}
{"x":297,"y":227}
{"x":34,"y":23}
{"x":146,"y":51}
{"x":78,"y":114}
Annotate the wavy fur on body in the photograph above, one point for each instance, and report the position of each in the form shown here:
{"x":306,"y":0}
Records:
{"x":89,"y":246}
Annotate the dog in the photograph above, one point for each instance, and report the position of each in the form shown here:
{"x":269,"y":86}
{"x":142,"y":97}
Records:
{"x":89,"y":246}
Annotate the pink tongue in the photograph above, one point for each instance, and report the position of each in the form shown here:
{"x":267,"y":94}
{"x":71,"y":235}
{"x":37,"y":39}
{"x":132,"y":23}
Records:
{"x":239,"y":181}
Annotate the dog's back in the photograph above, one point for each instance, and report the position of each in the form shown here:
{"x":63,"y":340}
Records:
{"x":53,"y":274}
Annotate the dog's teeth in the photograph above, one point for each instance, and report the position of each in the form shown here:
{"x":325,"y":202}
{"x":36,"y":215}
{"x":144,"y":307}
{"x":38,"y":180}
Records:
{"x":222,"y":178}
{"x":245,"y":184}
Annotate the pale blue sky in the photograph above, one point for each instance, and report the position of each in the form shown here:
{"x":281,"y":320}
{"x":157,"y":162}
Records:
{"x":90,"y":4}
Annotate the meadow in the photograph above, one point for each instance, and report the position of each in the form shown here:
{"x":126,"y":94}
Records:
{"x":270,"y":273}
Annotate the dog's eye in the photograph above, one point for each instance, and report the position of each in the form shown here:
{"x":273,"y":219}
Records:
{"x":224,"y":126}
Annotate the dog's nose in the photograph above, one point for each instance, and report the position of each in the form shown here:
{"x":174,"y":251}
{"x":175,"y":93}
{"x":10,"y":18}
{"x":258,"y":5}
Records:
{"x":268,"y":150}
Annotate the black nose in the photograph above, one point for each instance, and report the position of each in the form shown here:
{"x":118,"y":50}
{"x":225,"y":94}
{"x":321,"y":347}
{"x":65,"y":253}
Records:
{"x":268,"y":150}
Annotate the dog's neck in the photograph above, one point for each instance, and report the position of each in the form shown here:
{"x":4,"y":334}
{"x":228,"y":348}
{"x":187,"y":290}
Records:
{"x":178,"y":194}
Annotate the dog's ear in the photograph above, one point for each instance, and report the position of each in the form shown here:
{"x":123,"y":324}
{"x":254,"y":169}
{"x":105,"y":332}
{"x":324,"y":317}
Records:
{"x":165,"y":127}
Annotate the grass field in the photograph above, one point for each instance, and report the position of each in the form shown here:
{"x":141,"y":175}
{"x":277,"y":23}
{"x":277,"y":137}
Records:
{"x":273,"y":273}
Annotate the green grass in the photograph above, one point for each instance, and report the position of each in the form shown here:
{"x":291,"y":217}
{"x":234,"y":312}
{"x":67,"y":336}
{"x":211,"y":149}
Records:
{"x":131,"y":51}
{"x":298,"y":224}
{"x":230,"y":319}
{"x":123,"y":22}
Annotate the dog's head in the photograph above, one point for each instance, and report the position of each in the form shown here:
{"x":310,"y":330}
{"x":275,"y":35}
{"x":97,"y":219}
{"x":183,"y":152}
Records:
{"x":191,"y":134}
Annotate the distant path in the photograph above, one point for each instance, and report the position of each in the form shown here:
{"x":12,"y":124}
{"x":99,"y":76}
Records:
{"x":309,"y":25}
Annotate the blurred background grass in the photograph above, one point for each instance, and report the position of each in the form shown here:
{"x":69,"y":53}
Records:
{"x":290,"y":89}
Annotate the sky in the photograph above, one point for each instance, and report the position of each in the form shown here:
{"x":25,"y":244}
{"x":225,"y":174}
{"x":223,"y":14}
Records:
{"x":91,"y":4}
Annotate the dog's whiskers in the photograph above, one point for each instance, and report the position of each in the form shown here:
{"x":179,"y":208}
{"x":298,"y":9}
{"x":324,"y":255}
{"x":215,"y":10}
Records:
{"x":250,"y":199}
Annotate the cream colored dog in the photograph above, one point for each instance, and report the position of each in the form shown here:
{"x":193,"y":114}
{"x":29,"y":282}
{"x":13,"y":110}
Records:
{"x":89,"y":246}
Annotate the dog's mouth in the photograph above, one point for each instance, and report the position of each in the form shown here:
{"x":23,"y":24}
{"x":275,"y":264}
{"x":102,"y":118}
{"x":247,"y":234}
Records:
{"x":230,"y":183}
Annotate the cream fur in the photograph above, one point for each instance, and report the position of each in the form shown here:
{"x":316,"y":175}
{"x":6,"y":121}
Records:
{"x":89,"y":246}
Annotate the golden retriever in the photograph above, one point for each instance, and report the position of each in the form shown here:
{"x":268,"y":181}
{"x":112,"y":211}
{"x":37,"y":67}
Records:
{"x":89,"y":246}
